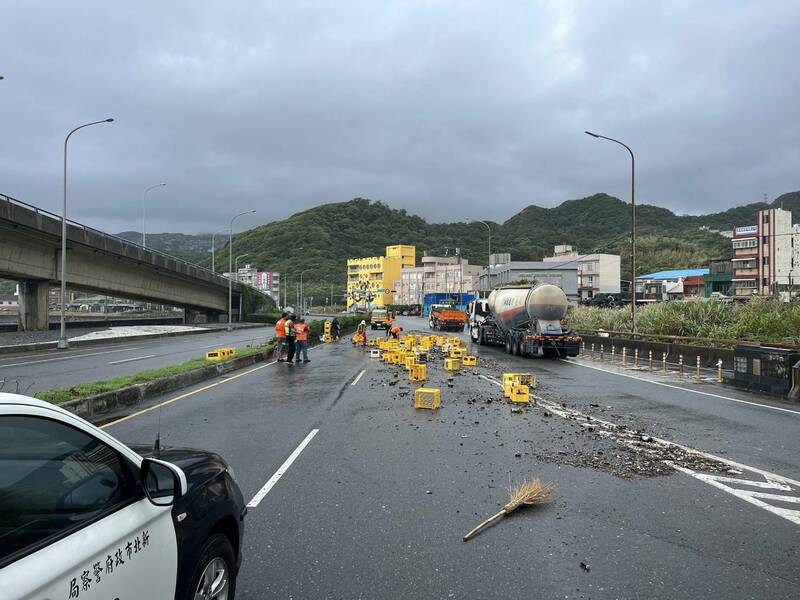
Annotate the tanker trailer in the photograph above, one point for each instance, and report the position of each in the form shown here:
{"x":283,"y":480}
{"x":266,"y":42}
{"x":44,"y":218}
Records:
{"x":527,"y":321}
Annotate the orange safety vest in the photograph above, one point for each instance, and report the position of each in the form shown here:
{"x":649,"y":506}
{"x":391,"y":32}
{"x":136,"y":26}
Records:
{"x":302,"y":332}
{"x":396,"y":330}
{"x":280,"y":328}
{"x":389,"y":321}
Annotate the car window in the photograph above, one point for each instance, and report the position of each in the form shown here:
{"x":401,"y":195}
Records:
{"x":54,"y":479}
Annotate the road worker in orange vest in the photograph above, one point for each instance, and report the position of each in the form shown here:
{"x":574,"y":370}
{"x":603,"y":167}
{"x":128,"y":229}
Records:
{"x":280,"y":337}
{"x":395,"y":331}
{"x":301,"y":342}
{"x":389,"y":323}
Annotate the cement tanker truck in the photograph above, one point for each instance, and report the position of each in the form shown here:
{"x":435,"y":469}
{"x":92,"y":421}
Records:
{"x":524,"y":319}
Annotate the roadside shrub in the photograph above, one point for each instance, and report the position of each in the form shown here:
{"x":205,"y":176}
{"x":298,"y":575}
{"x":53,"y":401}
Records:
{"x":763,"y":320}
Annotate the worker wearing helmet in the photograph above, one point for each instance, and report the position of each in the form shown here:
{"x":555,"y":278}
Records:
{"x":361,"y":333}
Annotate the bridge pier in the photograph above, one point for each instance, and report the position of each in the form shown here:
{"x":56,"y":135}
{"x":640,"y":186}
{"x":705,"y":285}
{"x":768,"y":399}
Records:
{"x":33,"y":311}
{"x":197,"y":316}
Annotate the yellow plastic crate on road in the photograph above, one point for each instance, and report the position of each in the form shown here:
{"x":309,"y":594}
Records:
{"x":430,"y":398}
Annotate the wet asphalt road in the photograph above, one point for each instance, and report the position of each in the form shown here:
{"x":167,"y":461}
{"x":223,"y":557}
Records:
{"x":44,"y":370}
{"x":377,"y":502}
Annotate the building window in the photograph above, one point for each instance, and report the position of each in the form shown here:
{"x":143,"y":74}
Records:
{"x":764,"y":281}
{"x":766,"y":218}
{"x":765,"y":239}
{"x":765,"y":260}
{"x":748,"y":243}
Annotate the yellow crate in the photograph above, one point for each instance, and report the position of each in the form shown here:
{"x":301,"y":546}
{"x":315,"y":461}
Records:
{"x":528,"y":379}
{"x":374,"y":353}
{"x":421,"y":356}
{"x":469,"y":361}
{"x":221,"y":354}
{"x":430,"y":398}
{"x":327,"y":338}
{"x":328,"y":326}
{"x":452,"y":364}
{"x":391,"y":357}
{"x":454,"y":341}
{"x":418,"y":372}
{"x":457,"y":352}
{"x":214,"y":355}
{"x":228,"y":352}
{"x":410,"y":362}
{"x":519,"y":393}
{"x":440,"y":340}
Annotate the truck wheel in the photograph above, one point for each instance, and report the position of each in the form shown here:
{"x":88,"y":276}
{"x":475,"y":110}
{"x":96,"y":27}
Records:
{"x":508,"y":346}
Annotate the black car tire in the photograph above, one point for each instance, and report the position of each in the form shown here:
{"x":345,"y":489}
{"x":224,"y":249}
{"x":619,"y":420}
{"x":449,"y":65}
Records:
{"x":508,"y":346}
{"x":216,"y":546}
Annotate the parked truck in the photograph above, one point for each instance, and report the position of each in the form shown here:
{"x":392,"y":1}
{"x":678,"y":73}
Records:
{"x":447,"y":318}
{"x":527,"y":320}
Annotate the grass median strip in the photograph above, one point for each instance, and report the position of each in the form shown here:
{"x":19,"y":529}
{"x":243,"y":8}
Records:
{"x":86,"y":390}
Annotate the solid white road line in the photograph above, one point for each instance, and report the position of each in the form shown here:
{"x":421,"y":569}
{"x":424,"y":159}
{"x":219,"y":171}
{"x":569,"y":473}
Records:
{"x":683,"y":389}
{"x":46,"y":360}
{"x":281,"y":470}
{"x":127,"y":360}
{"x":358,"y":377}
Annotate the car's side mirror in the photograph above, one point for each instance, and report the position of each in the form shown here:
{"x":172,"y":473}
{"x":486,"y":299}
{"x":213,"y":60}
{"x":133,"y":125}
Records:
{"x":163,"y":483}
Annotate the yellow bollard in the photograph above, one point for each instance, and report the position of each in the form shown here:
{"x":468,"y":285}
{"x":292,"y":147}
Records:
{"x":680,"y":364}
{"x":624,"y":356}
{"x":650,"y":360}
{"x":697,"y":369}
{"x":636,"y":358}
{"x":719,"y":370}
{"x":663,"y":362}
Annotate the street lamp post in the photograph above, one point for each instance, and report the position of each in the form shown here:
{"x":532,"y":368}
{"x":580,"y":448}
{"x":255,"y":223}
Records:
{"x":302,"y":300}
{"x":62,"y":340}
{"x":213,"y":251}
{"x":633,"y":225}
{"x":144,"y":214}
{"x":236,"y":264}
{"x":230,"y":267}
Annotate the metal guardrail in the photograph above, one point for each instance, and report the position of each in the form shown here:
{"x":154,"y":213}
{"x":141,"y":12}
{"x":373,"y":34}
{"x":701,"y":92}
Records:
{"x":685,"y":338}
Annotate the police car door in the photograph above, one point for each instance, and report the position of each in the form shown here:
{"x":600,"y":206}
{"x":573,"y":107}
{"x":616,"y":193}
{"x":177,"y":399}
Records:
{"x":73,"y":520}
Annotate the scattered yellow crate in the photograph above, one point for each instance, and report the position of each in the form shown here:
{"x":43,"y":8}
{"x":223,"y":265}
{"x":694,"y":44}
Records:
{"x":418,"y":372}
{"x":452,"y":364}
{"x":430,"y":398}
{"x":221,"y":354}
{"x":456,"y":352}
{"x":519,"y":393}
{"x":469,"y":361}
{"x":528,"y":379}
{"x":410,"y":361}
{"x":421,"y":356}
{"x":390,"y":357}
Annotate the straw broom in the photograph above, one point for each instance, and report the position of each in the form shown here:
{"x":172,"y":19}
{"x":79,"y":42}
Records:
{"x":528,"y":493}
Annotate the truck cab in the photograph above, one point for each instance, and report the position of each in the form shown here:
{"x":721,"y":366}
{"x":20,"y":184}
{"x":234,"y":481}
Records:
{"x":477,"y":312}
{"x":378,"y":319}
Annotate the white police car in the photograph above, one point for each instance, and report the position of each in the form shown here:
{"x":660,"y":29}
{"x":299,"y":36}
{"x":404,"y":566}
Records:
{"x":85,"y":516}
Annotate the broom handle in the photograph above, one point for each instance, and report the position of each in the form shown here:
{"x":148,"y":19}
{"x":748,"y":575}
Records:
{"x":488,"y":521}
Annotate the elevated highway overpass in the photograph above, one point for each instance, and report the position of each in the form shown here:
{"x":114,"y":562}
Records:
{"x":30,"y":253}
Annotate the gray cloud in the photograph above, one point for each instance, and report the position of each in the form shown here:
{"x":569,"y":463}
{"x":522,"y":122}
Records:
{"x":452,"y":110}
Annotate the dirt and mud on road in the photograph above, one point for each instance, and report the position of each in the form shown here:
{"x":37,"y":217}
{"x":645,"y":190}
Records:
{"x":547,"y":430}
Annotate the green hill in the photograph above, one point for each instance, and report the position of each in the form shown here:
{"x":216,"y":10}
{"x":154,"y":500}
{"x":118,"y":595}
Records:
{"x":321,"y":239}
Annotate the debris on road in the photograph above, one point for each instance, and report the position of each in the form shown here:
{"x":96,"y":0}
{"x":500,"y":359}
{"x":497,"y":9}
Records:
{"x":528,"y":493}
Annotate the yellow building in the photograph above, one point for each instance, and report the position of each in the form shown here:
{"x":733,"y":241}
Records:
{"x":375,"y":275}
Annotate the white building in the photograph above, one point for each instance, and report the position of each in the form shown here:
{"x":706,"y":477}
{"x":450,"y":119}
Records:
{"x":564,"y":274}
{"x":597,"y":273}
{"x":438,"y":274}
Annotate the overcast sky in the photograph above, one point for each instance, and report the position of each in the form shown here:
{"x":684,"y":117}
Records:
{"x":451,"y":110}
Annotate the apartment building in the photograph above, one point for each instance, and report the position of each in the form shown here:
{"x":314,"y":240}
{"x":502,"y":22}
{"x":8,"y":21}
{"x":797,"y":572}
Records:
{"x":766,"y":256}
{"x":597,"y":273}
{"x":438,"y":274}
{"x":370,"y":279}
